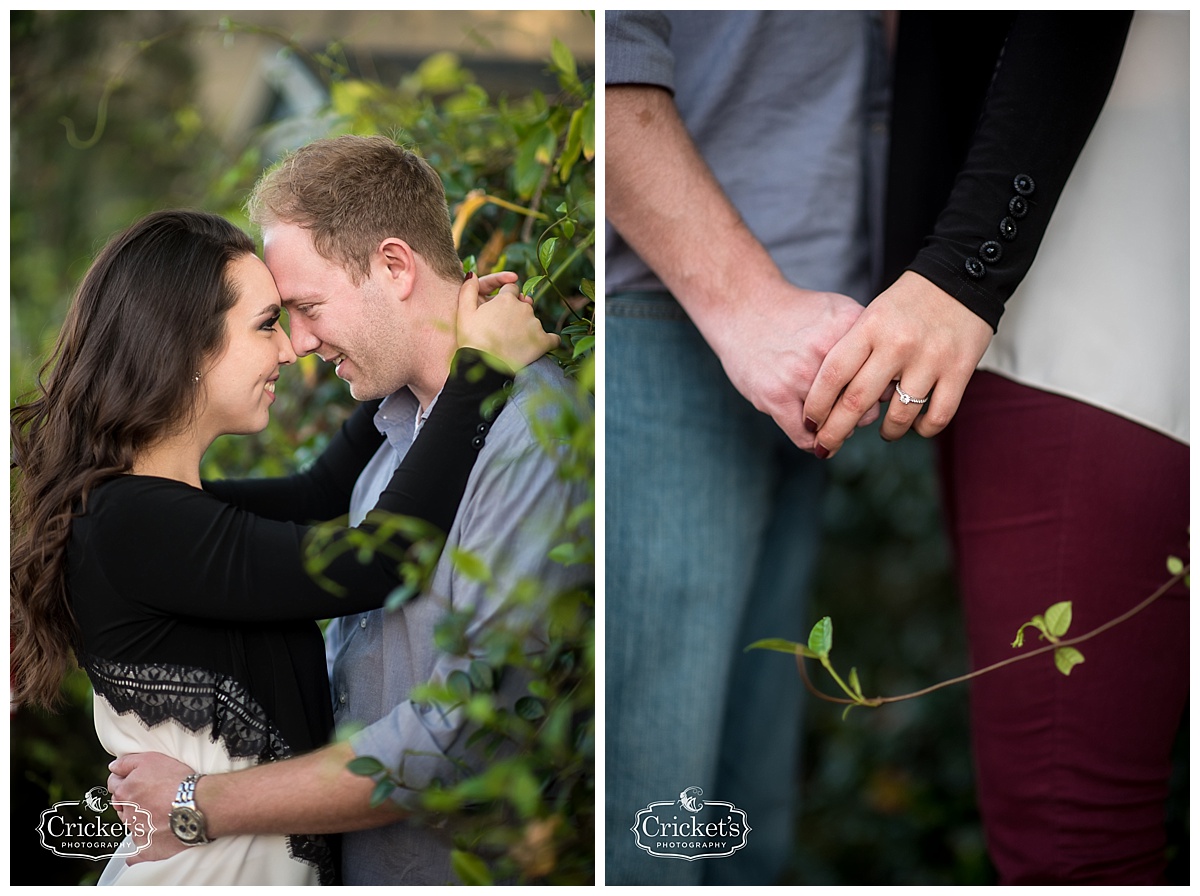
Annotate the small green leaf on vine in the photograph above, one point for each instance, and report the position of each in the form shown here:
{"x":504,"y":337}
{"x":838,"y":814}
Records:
{"x":1052,"y":626}
{"x":820,"y":639}
{"x":854,"y":685}
{"x":1066,"y":658}
{"x":1058,"y":619}
{"x":546,"y":252}
{"x":365,"y":765}
{"x":782,"y":646}
{"x":533,"y":283}
{"x":1175,"y":566}
{"x":1036,"y":622}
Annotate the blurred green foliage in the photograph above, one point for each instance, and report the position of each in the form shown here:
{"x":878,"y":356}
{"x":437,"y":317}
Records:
{"x":107,"y":126}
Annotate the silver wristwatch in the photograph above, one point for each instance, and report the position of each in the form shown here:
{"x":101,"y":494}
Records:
{"x":187,"y":821}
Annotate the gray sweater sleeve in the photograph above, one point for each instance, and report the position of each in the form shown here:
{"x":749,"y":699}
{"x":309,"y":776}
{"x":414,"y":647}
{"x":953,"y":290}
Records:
{"x":636,"y":50}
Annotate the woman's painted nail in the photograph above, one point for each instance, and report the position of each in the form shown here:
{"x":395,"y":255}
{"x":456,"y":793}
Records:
{"x":821,"y":451}
{"x":810,"y":424}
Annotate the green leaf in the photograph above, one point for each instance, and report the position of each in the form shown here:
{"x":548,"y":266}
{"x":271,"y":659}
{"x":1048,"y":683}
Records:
{"x":846,"y":711}
{"x":546,"y":145}
{"x":470,"y":869}
{"x":1036,"y":622}
{"x":1174,"y":566}
{"x":381,"y":791}
{"x":459,"y":682}
{"x":820,"y":639}
{"x":546,"y":252}
{"x":854,"y":685}
{"x":782,"y":646}
{"x":583,"y":345}
{"x":573,"y":147}
{"x":1058,"y":619}
{"x":483,"y":677}
{"x":1066,"y":658}
{"x":469,"y":565}
{"x":365,"y":765}
{"x":562,"y":553}
{"x":523,"y":792}
{"x":530,"y":709}
{"x":533,"y":283}
{"x":589,"y":130}
{"x":401,"y":595}
{"x":564,"y":61}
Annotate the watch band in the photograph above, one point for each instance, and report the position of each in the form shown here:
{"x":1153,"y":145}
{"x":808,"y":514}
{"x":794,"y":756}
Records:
{"x":187,"y":792}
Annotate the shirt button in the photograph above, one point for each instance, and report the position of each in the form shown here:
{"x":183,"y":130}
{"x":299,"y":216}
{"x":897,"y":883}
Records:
{"x":974,"y":267}
{"x":1023,"y":184}
{"x":1018,"y":207}
{"x":342,"y":698}
{"x":362,"y":623}
{"x":991,"y":251}
{"x":1008,"y":229}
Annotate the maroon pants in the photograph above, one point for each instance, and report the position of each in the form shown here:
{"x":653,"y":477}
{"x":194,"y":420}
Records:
{"x":1049,"y":499}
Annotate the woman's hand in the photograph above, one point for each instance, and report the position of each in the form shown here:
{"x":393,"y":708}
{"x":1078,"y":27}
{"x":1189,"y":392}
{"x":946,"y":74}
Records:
{"x":503,"y":326}
{"x":913,"y":336}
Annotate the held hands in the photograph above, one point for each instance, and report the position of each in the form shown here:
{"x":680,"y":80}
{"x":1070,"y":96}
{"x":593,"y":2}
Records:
{"x":771,"y":345}
{"x":151,"y":780}
{"x":504,"y":326}
{"x":913,"y":333}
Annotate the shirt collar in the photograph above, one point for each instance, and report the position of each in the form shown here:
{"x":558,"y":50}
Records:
{"x":400,"y":418}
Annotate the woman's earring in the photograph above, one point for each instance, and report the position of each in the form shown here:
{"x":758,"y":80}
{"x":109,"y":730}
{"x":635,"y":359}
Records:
{"x":196,"y":377}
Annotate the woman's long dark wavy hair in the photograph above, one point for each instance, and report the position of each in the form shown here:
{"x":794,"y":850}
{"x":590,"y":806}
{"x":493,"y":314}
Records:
{"x":149,"y":312}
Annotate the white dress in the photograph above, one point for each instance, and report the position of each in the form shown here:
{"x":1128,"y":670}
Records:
{"x":161,"y":704}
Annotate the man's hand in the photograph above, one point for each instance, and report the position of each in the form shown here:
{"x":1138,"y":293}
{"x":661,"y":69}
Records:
{"x":915,"y":334}
{"x":667,"y":204}
{"x":151,"y":780}
{"x":772,"y":344}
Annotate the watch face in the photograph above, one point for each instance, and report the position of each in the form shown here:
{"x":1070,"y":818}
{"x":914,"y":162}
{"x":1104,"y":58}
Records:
{"x":187,"y":824}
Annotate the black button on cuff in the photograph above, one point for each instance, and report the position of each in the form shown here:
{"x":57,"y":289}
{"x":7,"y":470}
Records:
{"x":478,"y":442}
{"x":991,"y":251}
{"x":1023,"y":184}
{"x":1008,"y":229}
{"x":975,"y":268}
{"x":1018,"y":207}
{"x":481,"y":428}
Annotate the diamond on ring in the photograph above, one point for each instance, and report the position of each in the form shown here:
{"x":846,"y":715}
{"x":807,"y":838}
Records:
{"x":905,"y":398}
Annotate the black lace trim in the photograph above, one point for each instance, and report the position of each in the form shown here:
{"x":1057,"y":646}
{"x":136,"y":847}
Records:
{"x":197,"y":699}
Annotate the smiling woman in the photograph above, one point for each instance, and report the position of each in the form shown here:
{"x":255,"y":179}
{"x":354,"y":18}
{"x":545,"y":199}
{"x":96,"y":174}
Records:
{"x":237,"y":390}
{"x":194,"y":619}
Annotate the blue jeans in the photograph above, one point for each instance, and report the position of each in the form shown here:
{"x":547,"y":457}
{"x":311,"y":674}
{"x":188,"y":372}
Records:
{"x":712,"y":520}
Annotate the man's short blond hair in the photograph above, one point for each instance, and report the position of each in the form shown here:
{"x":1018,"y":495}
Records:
{"x":352,"y":193}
